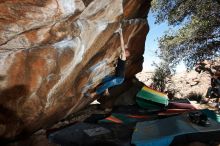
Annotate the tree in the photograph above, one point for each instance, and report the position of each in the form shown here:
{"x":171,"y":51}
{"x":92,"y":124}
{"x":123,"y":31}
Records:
{"x":161,"y":73}
{"x":198,"y":38}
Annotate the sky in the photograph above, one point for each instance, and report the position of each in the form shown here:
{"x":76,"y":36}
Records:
{"x":151,"y":44}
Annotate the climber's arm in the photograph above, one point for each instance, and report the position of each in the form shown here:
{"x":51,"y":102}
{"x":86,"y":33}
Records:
{"x":122,"y":55}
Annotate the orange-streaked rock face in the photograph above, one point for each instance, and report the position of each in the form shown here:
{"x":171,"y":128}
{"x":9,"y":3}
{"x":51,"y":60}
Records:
{"x":53,"y":51}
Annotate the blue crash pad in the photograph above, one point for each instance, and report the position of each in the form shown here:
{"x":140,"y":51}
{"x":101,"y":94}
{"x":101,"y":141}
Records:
{"x":162,"y":132}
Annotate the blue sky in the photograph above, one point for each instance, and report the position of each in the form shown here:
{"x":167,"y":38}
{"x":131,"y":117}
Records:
{"x":151,"y":44}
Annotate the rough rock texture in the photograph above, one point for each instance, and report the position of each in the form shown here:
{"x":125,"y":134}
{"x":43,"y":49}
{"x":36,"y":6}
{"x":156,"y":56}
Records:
{"x":53,"y":51}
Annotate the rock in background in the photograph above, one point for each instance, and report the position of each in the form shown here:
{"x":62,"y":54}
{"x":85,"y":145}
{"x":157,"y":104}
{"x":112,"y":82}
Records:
{"x":186,"y":83}
{"x":182,"y":83}
{"x":145,"y":77}
{"x":53,"y":51}
{"x":192,"y":82}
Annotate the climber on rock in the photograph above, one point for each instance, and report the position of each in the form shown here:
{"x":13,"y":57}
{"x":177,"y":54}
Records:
{"x":118,"y":78}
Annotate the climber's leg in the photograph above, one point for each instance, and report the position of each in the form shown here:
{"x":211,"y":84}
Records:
{"x":115,"y":81}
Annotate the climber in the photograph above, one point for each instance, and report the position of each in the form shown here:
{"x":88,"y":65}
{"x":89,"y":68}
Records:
{"x":118,"y":78}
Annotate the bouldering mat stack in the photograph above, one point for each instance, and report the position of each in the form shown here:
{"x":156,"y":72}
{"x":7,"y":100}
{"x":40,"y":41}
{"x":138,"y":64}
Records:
{"x":151,"y":99}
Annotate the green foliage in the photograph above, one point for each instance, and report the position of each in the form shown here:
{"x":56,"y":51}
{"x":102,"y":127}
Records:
{"x":199,"y":37}
{"x":162,"y":72}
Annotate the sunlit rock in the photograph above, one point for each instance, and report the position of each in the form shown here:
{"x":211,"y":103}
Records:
{"x":53,"y":51}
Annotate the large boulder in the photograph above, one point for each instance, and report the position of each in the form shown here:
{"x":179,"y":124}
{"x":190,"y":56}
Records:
{"x":53,"y":51}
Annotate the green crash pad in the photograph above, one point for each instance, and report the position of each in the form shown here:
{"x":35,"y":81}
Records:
{"x":151,"y":99}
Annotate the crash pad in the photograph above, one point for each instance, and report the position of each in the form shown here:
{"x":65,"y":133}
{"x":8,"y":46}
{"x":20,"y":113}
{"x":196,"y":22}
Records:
{"x":170,"y":112}
{"x":121,"y":118}
{"x":151,"y":99}
{"x":212,"y":114}
{"x":163,"y":131}
{"x":177,"y":105}
{"x":86,"y":134}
